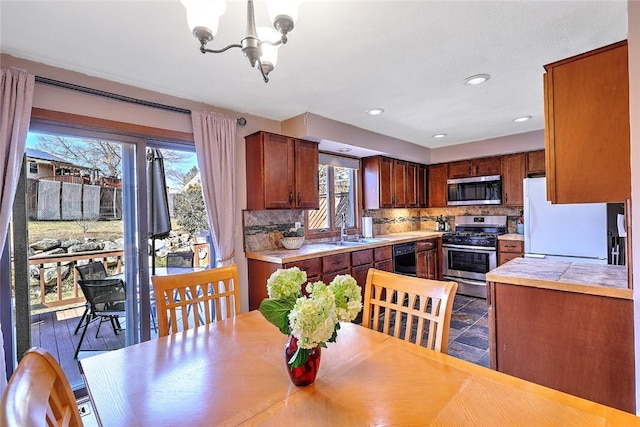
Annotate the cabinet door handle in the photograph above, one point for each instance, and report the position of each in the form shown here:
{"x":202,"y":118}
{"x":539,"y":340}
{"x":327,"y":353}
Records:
{"x":336,"y":262}
{"x":299,"y":198}
{"x":477,"y":170}
{"x":506,"y":197}
{"x":469,"y":171}
{"x":290,"y":197}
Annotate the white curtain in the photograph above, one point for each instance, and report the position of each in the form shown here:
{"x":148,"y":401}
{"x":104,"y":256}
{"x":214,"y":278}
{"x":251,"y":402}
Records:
{"x":16,"y":97}
{"x":215,"y":139}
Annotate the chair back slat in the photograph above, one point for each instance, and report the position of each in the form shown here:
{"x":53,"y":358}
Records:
{"x":196,"y":298}
{"x":424,"y":305}
{"x":38,"y":393}
{"x":92,"y":270}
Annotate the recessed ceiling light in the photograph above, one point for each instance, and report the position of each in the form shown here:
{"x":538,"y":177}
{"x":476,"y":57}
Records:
{"x":344,"y":150}
{"x":439,"y":135}
{"x":375,"y":111}
{"x":478,"y":79}
{"x":522,"y":119}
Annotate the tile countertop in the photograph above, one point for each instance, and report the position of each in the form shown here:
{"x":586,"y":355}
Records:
{"x":511,"y":236}
{"x":314,"y":250}
{"x":593,"y":279}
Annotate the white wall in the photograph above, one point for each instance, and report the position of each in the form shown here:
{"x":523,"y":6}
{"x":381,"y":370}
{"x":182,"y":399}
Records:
{"x":527,"y":141}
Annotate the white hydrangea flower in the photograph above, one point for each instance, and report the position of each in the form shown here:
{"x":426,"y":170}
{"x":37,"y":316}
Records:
{"x":313,"y":320}
{"x":348,"y":297}
{"x":286,"y":283}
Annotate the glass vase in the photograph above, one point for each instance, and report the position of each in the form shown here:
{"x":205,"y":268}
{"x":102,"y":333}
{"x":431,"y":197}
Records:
{"x":306,"y":373}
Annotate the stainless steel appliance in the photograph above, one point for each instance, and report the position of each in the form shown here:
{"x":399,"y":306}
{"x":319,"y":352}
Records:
{"x":404,"y":258}
{"x":477,"y":190}
{"x":470,"y":252}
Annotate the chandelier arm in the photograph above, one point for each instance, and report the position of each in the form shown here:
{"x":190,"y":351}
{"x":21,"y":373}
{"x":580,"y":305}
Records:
{"x":203,"y":49}
{"x":278,"y":43}
{"x":264,"y":76}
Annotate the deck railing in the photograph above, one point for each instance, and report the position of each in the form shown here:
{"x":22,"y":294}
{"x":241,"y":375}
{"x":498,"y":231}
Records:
{"x":108,"y":258}
{"x":112,"y":261}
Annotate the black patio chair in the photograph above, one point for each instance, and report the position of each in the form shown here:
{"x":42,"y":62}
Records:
{"x":177,"y":260}
{"x":106,"y":299}
{"x":90,"y":270}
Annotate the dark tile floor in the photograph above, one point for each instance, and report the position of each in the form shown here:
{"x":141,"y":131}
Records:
{"x":469,"y":333}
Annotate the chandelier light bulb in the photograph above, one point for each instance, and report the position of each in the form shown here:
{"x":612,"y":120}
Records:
{"x":260,"y":46}
{"x":203,"y":16}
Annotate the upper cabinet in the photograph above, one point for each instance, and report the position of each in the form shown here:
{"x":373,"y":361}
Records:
{"x":282,"y":172}
{"x":535,"y":163}
{"x":422,"y":180}
{"x":475,"y":167}
{"x":587,"y":127}
{"x":438,"y":185}
{"x":392,"y":183}
{"x":513,"y":172}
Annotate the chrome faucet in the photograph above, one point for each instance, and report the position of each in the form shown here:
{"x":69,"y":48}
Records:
{"x":343,"y":228}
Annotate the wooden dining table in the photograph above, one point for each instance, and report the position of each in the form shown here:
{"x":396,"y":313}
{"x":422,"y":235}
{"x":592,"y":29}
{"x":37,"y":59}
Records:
{"x":233,"y":372}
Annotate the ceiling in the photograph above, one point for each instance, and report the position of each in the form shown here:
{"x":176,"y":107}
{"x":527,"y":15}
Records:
{"x":344,"y":57}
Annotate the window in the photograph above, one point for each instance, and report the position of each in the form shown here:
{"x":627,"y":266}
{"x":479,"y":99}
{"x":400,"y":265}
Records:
{"x":337,"y":178}
{"x":33,"y":167}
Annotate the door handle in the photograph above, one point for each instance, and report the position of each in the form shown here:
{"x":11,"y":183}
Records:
{"x":299,"y":198}
{"x":290,"y":197}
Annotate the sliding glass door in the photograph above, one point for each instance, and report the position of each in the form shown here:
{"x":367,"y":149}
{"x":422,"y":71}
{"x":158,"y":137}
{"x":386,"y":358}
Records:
{"x":82,"y":202}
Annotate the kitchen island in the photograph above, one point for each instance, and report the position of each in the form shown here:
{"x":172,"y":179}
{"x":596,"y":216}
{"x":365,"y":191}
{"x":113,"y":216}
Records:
{"x":568,"y":326}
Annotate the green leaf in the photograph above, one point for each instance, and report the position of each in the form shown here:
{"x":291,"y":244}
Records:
{"x":299,"y":358}
{"x":277,"y":313}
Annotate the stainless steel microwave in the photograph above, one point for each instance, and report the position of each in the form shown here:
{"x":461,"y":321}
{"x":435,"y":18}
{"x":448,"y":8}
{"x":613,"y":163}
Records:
{"x":476,"y":190}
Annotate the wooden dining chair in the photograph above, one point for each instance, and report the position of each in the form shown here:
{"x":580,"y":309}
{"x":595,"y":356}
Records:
{"x":39,"y":394}
{"x":196,"y":298}
{"x":424,"y":306}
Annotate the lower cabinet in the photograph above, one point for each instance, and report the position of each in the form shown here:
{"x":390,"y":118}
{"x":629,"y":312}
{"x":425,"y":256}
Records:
{"x":428,"y":259}
{"x":577,"y":343}
{"x":382,"y":258}
{"x":509,"y":249}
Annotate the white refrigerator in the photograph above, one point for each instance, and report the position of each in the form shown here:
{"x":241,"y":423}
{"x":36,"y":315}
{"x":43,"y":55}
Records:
{"x":572,"y":232}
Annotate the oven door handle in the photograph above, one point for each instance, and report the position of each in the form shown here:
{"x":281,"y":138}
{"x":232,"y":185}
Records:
{"x":473,"y":248}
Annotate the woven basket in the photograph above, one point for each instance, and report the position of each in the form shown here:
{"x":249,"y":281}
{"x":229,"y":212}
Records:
{"x":292,"y":242}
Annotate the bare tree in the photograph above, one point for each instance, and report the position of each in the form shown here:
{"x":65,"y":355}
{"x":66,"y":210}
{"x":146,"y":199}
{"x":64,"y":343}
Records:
{"x":102,"y":155}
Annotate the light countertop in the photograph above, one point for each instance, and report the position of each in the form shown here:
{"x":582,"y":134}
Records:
{"x":594,"y":279}
{"x":511,"y":236}
{"x":314,"y":250}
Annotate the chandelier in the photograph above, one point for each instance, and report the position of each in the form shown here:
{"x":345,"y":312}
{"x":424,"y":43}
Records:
{"x":259,"y":45}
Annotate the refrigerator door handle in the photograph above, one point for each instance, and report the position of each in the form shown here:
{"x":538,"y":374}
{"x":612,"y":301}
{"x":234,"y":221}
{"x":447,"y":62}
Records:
{"x":539,"y":256}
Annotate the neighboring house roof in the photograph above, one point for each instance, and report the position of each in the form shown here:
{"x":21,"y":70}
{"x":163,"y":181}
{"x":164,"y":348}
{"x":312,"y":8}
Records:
{"x":193,"y":181}
{"x":43,"y":155}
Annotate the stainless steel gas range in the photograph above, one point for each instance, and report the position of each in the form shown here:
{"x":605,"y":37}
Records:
{"x":470,"y":252}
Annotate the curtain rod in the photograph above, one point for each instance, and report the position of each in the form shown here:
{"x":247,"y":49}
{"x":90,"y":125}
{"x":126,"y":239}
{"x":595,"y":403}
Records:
{"x":241,"y":121}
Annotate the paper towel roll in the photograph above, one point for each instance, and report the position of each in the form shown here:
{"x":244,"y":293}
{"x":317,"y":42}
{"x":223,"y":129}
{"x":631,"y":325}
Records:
{"x":367,"y":227}
{"x":622,"y":232}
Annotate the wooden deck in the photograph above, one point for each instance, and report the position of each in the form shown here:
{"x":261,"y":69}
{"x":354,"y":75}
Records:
{"x":53,"y":331}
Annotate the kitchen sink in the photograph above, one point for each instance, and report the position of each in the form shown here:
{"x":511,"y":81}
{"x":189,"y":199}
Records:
{"x":357,"y":242}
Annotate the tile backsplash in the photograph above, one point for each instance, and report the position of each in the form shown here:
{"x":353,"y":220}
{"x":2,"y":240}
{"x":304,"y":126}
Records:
{"x":263,"y":229}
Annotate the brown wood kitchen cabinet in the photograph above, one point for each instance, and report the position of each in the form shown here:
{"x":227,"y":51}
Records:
{"x":438,"y":185}
{"x":428,"y":264}
{"x":578,"y":343}
{"x":509,"y":249}
{"x":282,"y":172}
{"x":385,"y":183}
{"x":513,"y":172}
{"x":382,"y":258}
{"x":587,"y":127}
{"x":535,"y":163}
{"x":475,"y":167}
{"x":361,"y":262}
{"x":411,"y":185}
{"x":423,"y":201}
